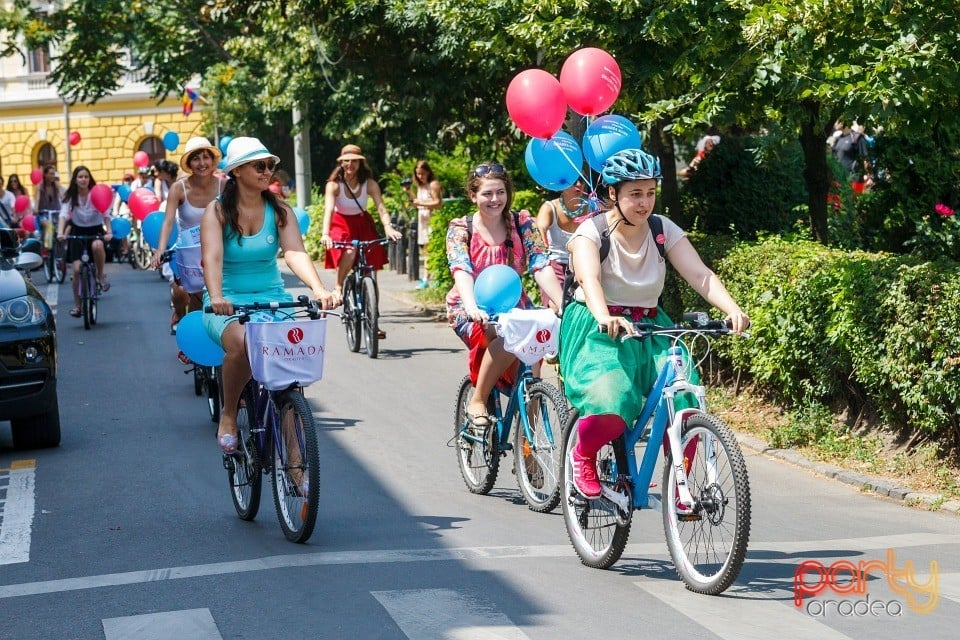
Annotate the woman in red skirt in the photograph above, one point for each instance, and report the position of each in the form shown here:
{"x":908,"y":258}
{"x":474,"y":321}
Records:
{"x":345,"y":216}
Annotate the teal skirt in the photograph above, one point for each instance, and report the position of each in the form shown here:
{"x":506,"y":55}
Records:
{"x":602,"y":375}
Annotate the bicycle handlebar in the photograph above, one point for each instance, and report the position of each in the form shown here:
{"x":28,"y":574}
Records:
{"x":362,"y":244}
{"x":697,"y":322}
{"x":243,"y":311}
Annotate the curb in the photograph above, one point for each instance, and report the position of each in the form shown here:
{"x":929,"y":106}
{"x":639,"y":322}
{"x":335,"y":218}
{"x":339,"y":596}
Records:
{"x":865,"y":483}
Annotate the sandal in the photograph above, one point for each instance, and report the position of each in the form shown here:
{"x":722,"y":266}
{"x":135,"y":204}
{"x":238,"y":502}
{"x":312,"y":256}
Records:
{"x":75,"y":312}
{"x":228,"y":443}
{"x":104,"y":285}
{"x":182,"y":357}
{"x":479,"y":420}
{"x":381,"y":334}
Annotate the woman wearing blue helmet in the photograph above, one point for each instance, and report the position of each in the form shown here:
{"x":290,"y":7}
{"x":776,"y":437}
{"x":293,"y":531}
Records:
{"x":602,"y":374}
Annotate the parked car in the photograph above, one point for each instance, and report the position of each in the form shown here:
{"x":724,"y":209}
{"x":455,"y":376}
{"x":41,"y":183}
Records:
{"x":28,"y":351}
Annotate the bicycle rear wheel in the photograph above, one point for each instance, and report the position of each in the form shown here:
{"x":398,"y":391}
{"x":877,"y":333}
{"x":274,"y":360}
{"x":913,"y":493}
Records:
{"x":213,"y":386}
{"x":244,"y":468}
{"x":477,"y":452}
{"x":709,"y":544}
{"x":598,"y":529}
{"x":371,"y":316}
{"x":537,"y":454}
{"x":296,"y":467}
{"x":351,"y":314}
{"x":94,"y":289}
{"x":49,"y":266}
{"x":59,"y":252}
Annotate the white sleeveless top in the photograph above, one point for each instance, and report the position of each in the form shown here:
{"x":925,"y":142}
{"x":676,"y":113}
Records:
{"x":557,"y":239}
{"x":345,"y":205}
{"x":189,"y":216}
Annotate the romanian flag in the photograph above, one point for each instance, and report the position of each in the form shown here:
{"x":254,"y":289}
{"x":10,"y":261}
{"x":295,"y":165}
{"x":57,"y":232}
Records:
{"x":188,"y":99}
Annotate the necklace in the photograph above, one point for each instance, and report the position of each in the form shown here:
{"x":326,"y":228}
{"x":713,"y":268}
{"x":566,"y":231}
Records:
{"x":570,"y":213}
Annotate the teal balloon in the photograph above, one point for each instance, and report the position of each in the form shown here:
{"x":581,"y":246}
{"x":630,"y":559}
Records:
{"x":193,"y":340}
{"x":150,"y":228}
{"x":120,"y":227}
{"x":171,"y":140}
{"x":555,"y":163}
{"x":123,"y":191}
{"x":224,"y":143}
{"x":606,"y":136}
{"x":303,"y":220}
{"x":497,"y":289}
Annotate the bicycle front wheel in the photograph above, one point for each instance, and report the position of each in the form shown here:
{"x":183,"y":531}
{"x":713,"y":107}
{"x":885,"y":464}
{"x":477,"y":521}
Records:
{"x":59,"y":252}
{"x":296,"y":467}
{"x":476,"y":447}
{"x":49,"y":264}
{"x":597,"y":529}
{"x":371,"y":317}
{"x":351,"y":314}
{"x":708,"y":544}
{"x":85,"y":296}
{"x":143,"y":255}
{"x":537,"y":452}
{"x":244,"y":469}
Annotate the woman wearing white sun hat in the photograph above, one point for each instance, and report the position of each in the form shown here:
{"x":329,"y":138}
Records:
{"x":239,"y":235}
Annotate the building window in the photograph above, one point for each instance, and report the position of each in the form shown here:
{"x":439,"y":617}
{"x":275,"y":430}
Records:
{"x":38,"y":60}
{"x":46,"y":155}
{"x":154,"y":148}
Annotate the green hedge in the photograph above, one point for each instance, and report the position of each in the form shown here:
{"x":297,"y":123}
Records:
{"x":852,"y":330}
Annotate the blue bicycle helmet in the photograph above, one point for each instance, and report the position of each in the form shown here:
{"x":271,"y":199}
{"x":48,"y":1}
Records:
{"x":630,"y":164}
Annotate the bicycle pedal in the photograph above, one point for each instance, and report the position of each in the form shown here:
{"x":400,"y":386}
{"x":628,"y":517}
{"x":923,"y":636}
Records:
{"x":688,"y":517}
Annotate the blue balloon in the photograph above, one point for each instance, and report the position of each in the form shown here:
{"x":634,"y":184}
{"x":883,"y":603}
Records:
{"x":193,"y":340}
{"x":497,"y":289}
{"x":554,"y":164}
{"x":222,"y":164}
{"x":303,"y":220}
{"x":174,"y":268}
{"x":150,"y":227}
{"x":224,"y":143}
{"x":171,"y":140}
{"x":606,"y":136}
{"x":123,"y":191}
{"x":120,"y":227}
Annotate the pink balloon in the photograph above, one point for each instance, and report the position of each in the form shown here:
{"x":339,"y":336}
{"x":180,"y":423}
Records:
{"x":102,"y":197}
{"x":36,"y":176}
{"x":142,"y":202}
{"x":29,"y":223}
{"x":591,"y":81}
{"x":141,"y":159}
{"x":536,"y":104}
{"x":74,"y":138}
{"x":21,"y":204}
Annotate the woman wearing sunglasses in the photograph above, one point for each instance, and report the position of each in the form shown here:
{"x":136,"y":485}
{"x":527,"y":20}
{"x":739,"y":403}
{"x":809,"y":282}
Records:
{"x":345,"y":216}
{"x":240,"y":234}
{"x":491,"y":235}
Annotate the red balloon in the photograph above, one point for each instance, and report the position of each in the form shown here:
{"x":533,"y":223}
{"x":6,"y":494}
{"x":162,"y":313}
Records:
{"x":29,"y":223}
{"x":143,"y":201}
{"x":102,"y":197}
{"x":74,"y":138}
{"x":21,"y":204}
{"x":141,"y":159}
{"x":536,"y":104}
{"x":591,"y":81}
{"x":36,"y":176}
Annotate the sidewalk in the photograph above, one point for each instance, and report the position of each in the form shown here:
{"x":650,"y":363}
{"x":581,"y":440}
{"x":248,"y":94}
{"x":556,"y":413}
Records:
{"x":401,"y":289}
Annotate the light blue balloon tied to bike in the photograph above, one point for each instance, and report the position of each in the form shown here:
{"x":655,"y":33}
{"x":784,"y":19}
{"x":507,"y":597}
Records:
{"x":497,"y":289}
{"x":193,"y":340}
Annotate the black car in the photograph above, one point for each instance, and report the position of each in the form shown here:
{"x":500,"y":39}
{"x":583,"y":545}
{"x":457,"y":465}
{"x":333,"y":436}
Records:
{"x":28,"y":352}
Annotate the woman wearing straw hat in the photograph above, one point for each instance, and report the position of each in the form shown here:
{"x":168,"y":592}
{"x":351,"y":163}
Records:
{"x":241,"y":231}
{"x":345,"y":216}
{"x":186,"y":202}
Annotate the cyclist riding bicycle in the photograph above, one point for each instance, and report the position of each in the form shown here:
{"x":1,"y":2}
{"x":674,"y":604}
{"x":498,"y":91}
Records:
{"x":186,"y":202}
{"x":84,"y":220}
{"x":491,"y":235}
{"x":240,"y":234}
{"x":601,"y":373}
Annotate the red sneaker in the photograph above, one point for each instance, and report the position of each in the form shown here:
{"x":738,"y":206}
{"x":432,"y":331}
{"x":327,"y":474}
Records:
{"x":585,"y":475}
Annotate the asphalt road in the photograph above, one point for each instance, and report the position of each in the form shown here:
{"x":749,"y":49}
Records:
{"x":127,"y":529}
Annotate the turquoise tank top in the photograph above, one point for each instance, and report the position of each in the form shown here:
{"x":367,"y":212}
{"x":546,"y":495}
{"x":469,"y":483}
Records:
{"x":250,"y":268}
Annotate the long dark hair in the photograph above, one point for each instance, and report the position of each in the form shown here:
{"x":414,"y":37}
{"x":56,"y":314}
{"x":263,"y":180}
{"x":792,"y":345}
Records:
{"x":231,"y":212}
{"x":363,"y":173}
{"x":473,"y":186}
{"x":422,"y":164}
{"x":73,"y":194}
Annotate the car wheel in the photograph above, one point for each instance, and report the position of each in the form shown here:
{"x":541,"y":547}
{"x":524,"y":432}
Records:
{"x":37,"y":432}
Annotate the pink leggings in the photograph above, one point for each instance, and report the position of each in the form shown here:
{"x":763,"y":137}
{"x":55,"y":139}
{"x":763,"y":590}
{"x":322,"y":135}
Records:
{"x":596,"y":431}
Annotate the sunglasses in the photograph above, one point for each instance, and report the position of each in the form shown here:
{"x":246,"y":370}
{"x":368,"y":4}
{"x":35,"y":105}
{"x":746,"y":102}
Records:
{"x":485,"y":169}
{"x":262,"y":166}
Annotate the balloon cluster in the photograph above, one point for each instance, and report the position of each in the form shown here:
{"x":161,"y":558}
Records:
{"x":537,"y":103}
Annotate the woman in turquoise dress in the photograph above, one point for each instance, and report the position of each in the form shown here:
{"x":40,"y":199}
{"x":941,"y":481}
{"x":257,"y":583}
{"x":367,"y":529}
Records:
{"x":240,"y":234}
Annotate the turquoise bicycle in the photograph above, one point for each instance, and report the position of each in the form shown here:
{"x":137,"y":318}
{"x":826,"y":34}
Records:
{"x":705,"y":502}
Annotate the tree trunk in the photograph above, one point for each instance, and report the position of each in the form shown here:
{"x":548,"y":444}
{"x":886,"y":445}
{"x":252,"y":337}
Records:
{"x":661,"y":144}
{"x":816,"y":173}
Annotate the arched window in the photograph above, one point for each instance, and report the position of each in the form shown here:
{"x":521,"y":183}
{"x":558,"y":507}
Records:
{"x":154,"y":148}
{"x":46,"y":155}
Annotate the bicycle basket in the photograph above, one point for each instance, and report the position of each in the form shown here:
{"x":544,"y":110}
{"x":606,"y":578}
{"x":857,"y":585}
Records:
{"x":530,"y":334}
{"x":287,"y":352}
{"x":190,"y":272}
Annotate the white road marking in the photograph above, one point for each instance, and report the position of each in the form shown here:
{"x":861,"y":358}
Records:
{"x":16,"y":518}
{"x":195,"y":624}
{"x":732,"y":618}
{"x":444,"y":614}
{"x":464,"y":554}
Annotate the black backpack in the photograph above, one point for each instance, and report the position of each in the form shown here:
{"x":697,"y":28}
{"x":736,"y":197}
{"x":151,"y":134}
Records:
{"x":599,"y":220}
